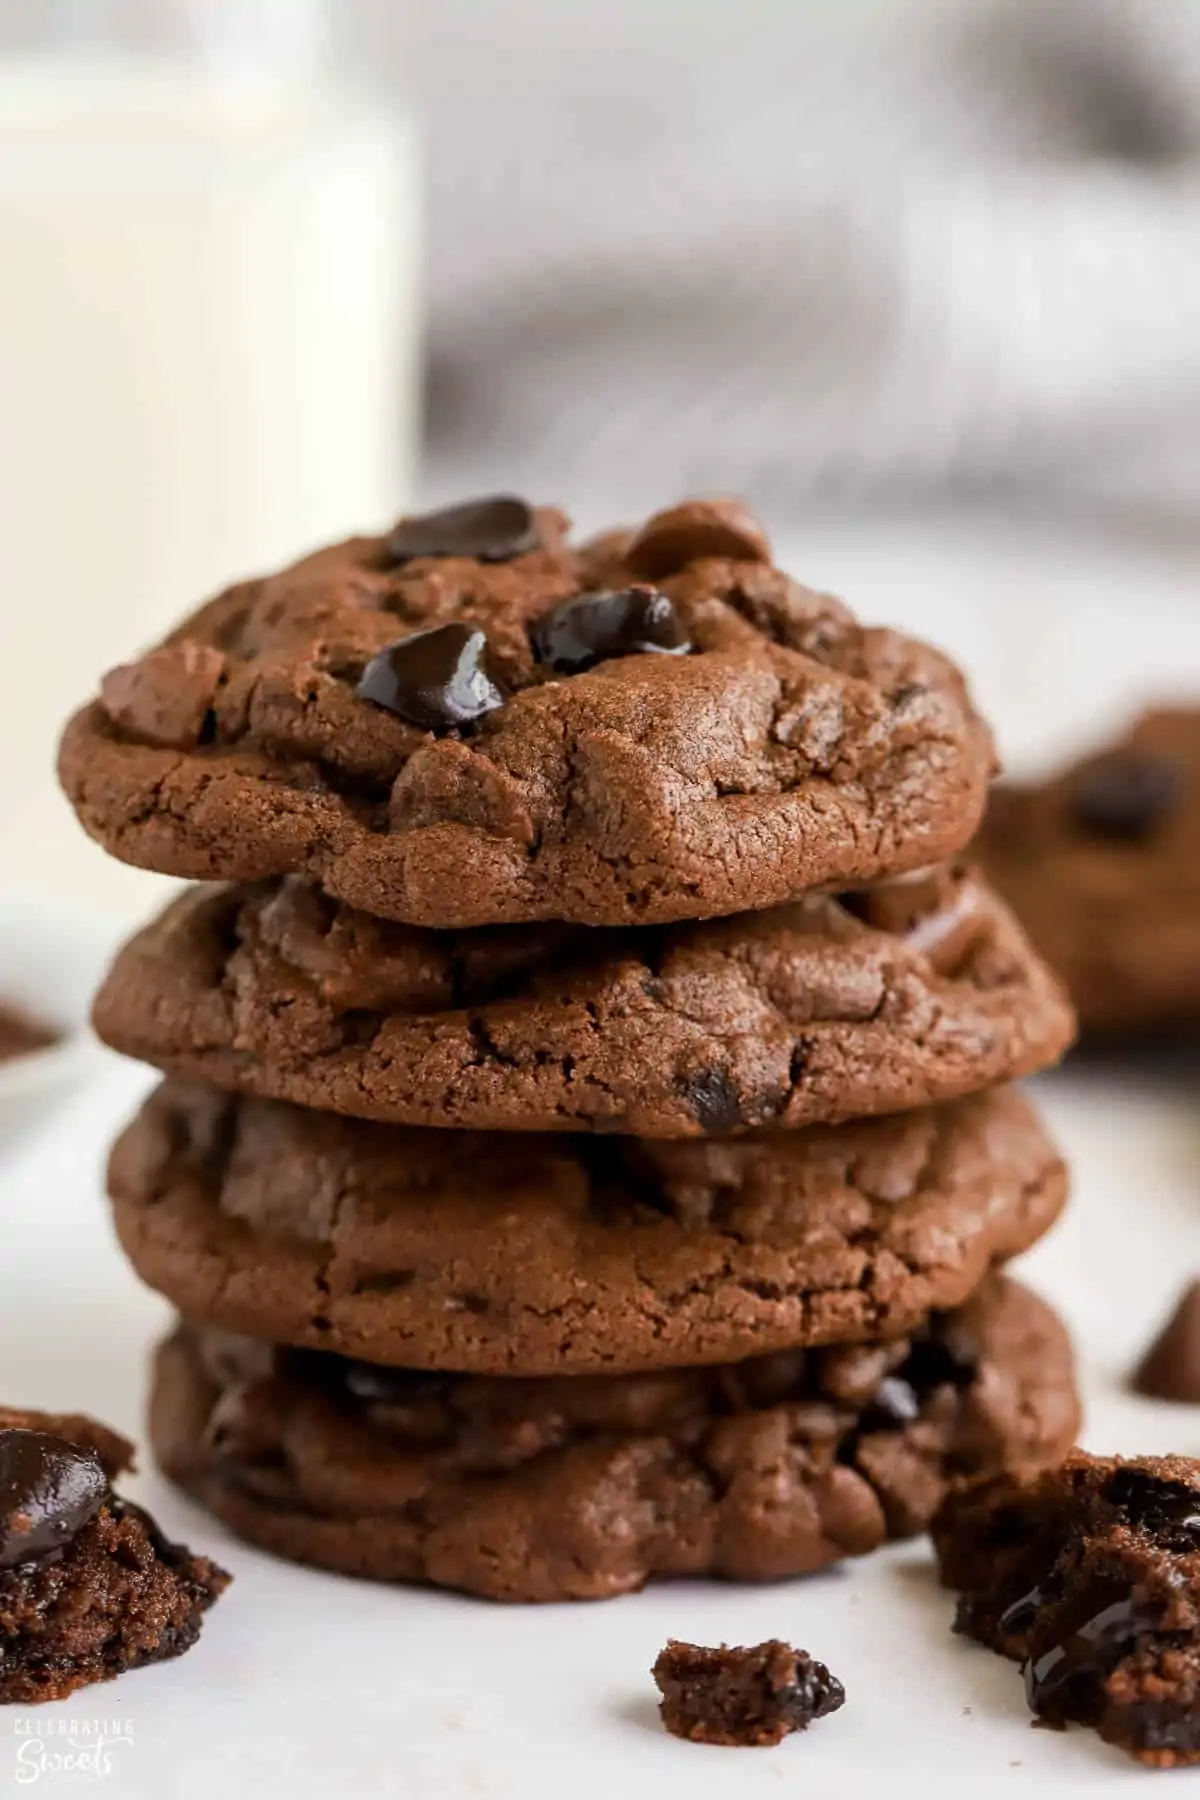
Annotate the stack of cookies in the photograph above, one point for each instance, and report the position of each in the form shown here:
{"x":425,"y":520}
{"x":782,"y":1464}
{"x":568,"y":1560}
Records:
{"x":586,"y":1151}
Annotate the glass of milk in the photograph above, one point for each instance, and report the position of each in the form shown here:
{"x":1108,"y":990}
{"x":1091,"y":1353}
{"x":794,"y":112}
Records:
{"x":209,"y":256}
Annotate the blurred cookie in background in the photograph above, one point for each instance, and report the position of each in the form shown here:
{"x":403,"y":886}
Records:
{"x":1102,"y":864}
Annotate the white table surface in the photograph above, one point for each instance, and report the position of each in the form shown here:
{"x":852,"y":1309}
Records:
{"x":305,"y":1684}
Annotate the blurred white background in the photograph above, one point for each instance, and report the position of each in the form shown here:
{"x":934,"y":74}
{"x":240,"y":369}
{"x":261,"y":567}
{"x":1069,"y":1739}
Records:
{"x":922,"y":281}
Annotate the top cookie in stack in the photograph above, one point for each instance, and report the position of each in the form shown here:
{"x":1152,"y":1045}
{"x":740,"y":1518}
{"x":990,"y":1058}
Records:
{"x":469,"y":722}
{"x":638,"y":838}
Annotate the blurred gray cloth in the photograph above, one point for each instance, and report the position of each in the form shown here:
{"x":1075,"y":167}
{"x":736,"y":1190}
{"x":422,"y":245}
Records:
{"x":787,"y":249}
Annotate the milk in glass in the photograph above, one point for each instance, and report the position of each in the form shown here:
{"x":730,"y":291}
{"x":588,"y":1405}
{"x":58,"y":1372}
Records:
{"x":208,"y":342}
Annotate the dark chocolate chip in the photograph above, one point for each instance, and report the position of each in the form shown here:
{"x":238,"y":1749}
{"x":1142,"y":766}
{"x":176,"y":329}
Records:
{"x":713,"y":1099}
{"x":1170,"y":1368}
{"x":635,"y":621}
{"x":894,"y":1404}
{"x":435,"y":679}
{"x":1126,"y":796}
{"x":492,"y":530}
{"x":49,"y":1489}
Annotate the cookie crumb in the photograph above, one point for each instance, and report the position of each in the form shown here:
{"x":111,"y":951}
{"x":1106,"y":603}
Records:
{"x":742,"y":1697}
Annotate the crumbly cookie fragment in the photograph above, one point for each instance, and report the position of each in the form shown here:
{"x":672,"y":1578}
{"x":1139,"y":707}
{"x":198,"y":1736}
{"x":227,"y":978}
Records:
{"x":89,"y":1587}
{"x":742,"y":1697}
{"x":1089,"y":1575}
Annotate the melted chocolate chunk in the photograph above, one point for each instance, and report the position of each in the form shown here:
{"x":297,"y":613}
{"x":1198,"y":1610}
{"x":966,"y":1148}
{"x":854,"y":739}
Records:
{"x":1127,"y":797}
{"x":49,"y":1489}
{"x":634,"y":621}
{"x":1020,"y":1615}
{"x":1086,"y":1574}
{"x":1099,"y":1630}
{"x":436,"y":679}
{"x":491,"y":530}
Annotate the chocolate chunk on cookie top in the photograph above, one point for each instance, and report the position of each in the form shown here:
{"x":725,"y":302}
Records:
{"x":471,"y":721}
{"x":436,"y":679}
{"x":89,"y":1587}
{"x":491,"y":531}
{"x":1089,"y":1575}
{"x":742,"y":1697}
{"x":638,"y":621}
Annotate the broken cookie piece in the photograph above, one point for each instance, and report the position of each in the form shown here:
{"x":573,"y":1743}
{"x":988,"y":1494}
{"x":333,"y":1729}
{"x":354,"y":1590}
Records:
{"x":743,"y":1697}
{"x":1089,"y":1575}
{"x":89,"y":1587}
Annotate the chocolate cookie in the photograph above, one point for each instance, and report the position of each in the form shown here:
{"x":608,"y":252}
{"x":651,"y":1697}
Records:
{"x":823,"y":1010}
{"x":581,"y":1487}
{"x":1102,"y":866}
{"x":529,"y":1255}
{"x":462,"y":725}
{"x":89,"y":1587}
{"x":1089,"y":1575}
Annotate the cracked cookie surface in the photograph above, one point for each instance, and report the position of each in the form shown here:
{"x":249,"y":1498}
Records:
{"x":790,"y":747}
{"x":584,"y":1487}
{"x":827,"y":1009}
{"x":526,"y":1255}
